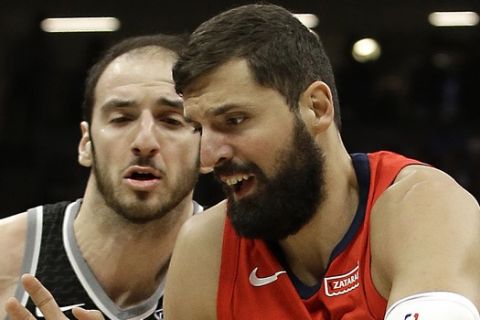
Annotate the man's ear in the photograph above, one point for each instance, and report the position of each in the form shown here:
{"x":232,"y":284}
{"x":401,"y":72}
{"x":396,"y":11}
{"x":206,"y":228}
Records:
{"x":85,"y":146}
{"x":316,"y":106}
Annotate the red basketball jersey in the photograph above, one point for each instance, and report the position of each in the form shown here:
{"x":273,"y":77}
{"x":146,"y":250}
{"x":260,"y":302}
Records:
{"x":255,"y":285}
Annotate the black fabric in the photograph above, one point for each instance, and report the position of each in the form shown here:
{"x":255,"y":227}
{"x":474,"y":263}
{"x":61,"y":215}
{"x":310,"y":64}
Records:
{"x":54,"y":269}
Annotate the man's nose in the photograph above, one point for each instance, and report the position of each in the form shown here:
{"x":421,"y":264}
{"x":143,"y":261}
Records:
{"x":214,"y":150}
{"x":145,"y":142}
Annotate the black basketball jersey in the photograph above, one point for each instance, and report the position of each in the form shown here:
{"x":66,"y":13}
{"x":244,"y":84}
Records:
{"x":53,"y":256}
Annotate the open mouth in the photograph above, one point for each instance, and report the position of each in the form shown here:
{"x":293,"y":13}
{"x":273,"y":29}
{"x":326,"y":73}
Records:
{"x":240,"y":184}
{"x":142,"y":178}
{"x":142,"y":173}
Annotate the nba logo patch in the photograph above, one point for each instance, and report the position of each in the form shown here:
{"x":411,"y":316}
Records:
{"x":341,"y":284}
{"x":158,"y":314}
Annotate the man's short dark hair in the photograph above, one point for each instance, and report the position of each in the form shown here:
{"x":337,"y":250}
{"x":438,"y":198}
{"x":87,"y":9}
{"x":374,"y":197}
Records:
{"x":174,"y":43}
{"x":281,"y":52}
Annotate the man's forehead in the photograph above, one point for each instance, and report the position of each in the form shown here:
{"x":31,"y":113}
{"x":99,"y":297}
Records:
{"x":140,"y":67}
{"x":152,"y":53}
{"x":235,"y":70}
{"x":131,"y":91}
{"x":226,"y":85}
{"x":125,"y":74}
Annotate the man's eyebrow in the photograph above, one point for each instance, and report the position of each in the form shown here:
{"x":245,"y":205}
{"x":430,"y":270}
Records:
{"x":215,"y":111}
{"x":174,"y":103}
{"x":117,"y":103}
{"x":222,"y":109}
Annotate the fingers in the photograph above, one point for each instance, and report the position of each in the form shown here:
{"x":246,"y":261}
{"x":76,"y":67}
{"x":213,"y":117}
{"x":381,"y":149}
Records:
{"x":16,"y":311}
{"x":82,"y":314}
{"x":42,"y":298}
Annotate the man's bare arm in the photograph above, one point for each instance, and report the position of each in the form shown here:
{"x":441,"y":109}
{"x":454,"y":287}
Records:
{"x":13,"y":233}
{"x":426,"y":237}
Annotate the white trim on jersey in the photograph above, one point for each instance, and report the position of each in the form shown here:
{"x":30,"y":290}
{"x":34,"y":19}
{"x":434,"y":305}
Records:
{"x":88,"y":280}
{"x":80,"y":272}
{"x":33,"y":244}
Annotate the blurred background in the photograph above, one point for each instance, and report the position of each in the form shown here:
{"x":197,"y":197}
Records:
{"x":411,"y":87}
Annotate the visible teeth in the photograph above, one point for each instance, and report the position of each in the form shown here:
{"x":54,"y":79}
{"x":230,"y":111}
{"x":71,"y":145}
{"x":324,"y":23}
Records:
{"x":234,"y":180}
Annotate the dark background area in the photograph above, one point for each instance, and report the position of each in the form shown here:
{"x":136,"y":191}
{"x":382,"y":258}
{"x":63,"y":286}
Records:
{"x":420,"y":98}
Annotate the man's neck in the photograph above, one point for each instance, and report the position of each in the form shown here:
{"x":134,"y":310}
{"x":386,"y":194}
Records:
{"x":308,"y":252}
{"x":128,"y":260}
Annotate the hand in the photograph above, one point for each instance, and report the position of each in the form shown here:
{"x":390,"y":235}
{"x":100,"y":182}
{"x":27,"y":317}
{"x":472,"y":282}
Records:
{"x":44,"y":300}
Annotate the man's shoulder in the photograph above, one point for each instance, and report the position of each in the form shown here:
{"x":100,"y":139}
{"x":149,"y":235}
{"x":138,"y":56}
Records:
{"x":13,"y":230}
{"x":194,"y":268}
{"x":423,"y":194}
{"x":418,"y":182}
{"x":200,"y":238}
{"x":205,"y":226}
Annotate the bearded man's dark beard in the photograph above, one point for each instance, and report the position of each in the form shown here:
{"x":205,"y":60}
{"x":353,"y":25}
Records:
{"x":283,"y":204}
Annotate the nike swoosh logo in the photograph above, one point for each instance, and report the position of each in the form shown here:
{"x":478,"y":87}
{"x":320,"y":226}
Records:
{"x":258,"y":282}
{"x":39,"y":313}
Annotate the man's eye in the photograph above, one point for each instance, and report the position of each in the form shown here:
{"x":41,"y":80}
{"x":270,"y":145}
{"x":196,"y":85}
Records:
{"x":120,"y":119}
{"x":235,"y":120}
{"x":172,"y":121}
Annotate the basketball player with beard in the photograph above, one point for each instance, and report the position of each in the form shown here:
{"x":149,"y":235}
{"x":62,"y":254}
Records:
{"x":110,"y":249}
{"x":308,"y":231}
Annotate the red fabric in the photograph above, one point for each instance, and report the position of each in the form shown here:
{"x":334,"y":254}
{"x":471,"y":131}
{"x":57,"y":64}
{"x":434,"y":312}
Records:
{"x":347,"y":291}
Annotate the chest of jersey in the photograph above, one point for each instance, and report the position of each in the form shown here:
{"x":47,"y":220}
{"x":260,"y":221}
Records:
{"x":254,"y":284}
